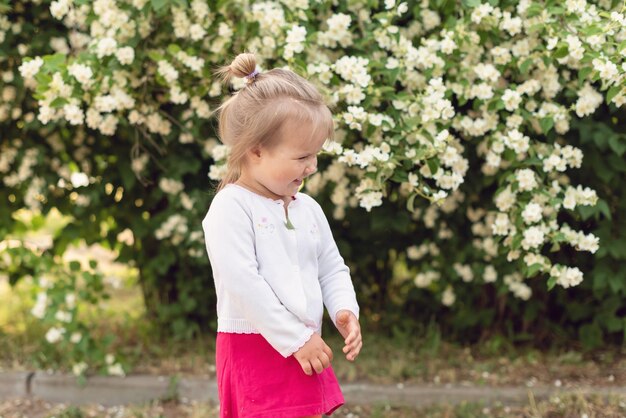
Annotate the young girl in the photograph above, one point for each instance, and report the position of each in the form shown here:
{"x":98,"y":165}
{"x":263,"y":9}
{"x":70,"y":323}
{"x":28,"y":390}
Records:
{"x":274,"y":259}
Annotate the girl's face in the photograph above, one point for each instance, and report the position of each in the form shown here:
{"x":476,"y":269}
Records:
{"x":277,"y":172}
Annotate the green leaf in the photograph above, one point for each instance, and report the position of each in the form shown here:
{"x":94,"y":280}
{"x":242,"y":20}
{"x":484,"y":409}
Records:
{"x":433,"y":164}
{"x":613,"y":91}
{"x":546,"y":124}
{"x":561,"y":52}
{"x":603,"y":208}
{"x":58,"y":102}
{"x":410,"y":203}
{"x":551,"y":282}
{"x":54,"y":62}
{"x":583,"y":73}
{"x":157,"y":5}
{"x":471,"y":3}
{"x":155,"y":56}
{"x":533,"y":270}
{"x":523,"y":68}
{"x":591,"y":335}
{"x":556,"y":10}
{"x":617,"y":145}
{"x":173,"y":49}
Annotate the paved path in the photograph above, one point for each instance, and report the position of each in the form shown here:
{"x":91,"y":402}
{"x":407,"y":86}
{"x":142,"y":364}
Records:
{"x":110,"y":391}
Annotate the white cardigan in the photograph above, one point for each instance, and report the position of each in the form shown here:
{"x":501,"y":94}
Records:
{"x":269,"y":279}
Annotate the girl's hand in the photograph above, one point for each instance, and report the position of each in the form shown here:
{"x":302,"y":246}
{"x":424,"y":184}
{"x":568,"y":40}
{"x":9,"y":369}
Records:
{"x":314,"y":355}
{"x":350,"y":329}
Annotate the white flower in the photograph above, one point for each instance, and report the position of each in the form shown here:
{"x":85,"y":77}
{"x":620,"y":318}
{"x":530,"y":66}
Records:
{"x":513,"y":25}
{"x":439,"y":196}
{"x":353,"y":69}
{"x":371,"y":199}
{"x":39,"y":310}
{"x":464,"y":271}
{"x":423,"y":280}
{"x":533,"y":238}
{"x":487,"y":72}
{"x":81,"y":72}
{"x":79,"y":368}
{"x":448,"y":297}
{"x":79,"y":179}
{"x":58,"y":9}
{"x":106,"y":47}
{"x":73,"y":114}
{"x":588,"y":101}
{"x":116,"y":370}
{"x":54,"y":335}
{"x":30,"y":68}
{"x":196,"y":32}
{"x":70,"y":300}
{"x":125,"y":55}
{"x":167,"y":71}
{"x":526,"y":179}
{"x":532,"y":213}
{"x":567,"y":276}
{"x":490,"y":275}
{"x":295,"y":41}
{"x":511,"y":100}
{"x":171,"y":186}
{"x":501,"y":224}
{"x":505,"y":200}
{"x":217,"y":172}
{"x":76,"y":337}
{"x":63,"y":316}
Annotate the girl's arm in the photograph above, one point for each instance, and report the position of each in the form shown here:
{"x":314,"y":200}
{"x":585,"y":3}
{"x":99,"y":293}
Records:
{"x":229,"y":240}
{"x":334,"y":275}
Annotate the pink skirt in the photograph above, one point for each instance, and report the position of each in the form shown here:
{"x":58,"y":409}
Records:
{"x":254,"y":380}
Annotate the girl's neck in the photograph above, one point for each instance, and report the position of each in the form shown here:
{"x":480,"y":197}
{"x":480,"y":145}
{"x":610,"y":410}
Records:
{"x":250,"y":184}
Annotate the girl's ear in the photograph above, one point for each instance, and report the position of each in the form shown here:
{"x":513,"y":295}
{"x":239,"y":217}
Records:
{"x":254,"y":154}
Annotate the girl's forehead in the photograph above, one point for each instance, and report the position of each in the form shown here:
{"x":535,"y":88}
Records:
{"x":303,"y":135}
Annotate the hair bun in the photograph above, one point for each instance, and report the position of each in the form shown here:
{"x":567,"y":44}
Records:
{"x":242,"y":66}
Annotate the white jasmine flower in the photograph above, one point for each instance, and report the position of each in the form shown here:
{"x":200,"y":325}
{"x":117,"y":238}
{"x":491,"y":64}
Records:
{"x":490,"y":275}
{"x":79,"y":368}
{"x":171,"y":186}
{"x":125,"y":55}
{"x":196,"y":32}
{"x":501,"y":224}
{"x":533,"y":238}
{"x":54,"y":334}
{"x":73,"y":114}
{"x":448,"y":297}
{"x":532,"y":213}
{"x":116,"y":370}
{"x":168,"y":71}
{"x":106,"y":47}
{"x":526,"y":179}
{"x":82,"y":73}
{"x":30,"y":68}
{"x":511,"y":100}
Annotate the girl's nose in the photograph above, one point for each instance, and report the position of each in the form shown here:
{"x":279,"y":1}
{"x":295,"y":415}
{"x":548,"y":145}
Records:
{"x":311,"y":168}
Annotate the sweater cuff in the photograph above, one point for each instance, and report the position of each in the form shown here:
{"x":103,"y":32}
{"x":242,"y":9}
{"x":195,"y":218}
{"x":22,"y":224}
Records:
{"x":298,"y":344}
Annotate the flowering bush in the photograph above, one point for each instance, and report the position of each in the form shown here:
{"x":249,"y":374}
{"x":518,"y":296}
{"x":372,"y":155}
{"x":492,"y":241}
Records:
{"x":469,"y":106}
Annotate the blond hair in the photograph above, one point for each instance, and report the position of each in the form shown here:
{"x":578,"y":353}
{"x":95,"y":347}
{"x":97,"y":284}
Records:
{"x":254,"y":115}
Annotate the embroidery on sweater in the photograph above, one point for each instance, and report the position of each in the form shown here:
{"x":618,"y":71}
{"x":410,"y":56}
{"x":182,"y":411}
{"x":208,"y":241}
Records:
{"x":264,"y":227}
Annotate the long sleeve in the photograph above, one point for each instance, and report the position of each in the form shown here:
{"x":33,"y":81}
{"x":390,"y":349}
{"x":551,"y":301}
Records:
{"x":230,"y":243}
{"x":334,"y":275}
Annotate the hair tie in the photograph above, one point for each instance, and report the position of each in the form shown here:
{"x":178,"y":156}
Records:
{"x":250,"y":77}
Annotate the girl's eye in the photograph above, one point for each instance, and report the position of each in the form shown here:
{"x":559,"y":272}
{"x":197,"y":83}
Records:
{"x":303,"y":158}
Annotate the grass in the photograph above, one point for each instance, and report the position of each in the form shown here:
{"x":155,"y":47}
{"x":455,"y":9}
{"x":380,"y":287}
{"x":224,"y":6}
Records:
{"x":574,"y":405}
{"x":407,"y":359}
